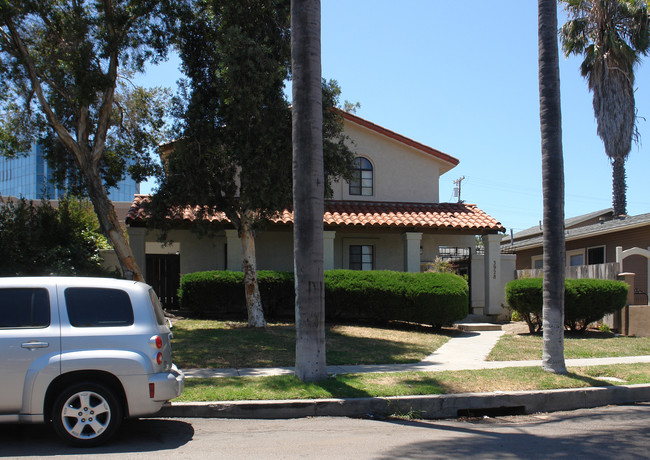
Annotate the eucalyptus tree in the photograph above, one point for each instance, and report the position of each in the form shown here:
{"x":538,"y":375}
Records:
{"x":61,"y":64}
{"x":612,"y":35}
{"x":233,"y":147}
{"x":553,"y":188}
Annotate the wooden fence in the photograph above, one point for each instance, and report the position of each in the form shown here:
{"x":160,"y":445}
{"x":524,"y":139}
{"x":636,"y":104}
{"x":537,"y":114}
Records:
{"x":607,"y":271}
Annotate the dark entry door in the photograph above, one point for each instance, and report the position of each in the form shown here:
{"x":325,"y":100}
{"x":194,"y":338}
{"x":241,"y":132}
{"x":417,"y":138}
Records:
{"x":164,"y":275}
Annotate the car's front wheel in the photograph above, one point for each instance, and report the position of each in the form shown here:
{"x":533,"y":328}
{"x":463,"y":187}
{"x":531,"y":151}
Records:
{"x":86,"y":414}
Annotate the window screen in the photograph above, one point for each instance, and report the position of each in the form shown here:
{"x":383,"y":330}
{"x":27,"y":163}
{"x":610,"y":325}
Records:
{"x":98,"y":307}
{"x":24,"y":307}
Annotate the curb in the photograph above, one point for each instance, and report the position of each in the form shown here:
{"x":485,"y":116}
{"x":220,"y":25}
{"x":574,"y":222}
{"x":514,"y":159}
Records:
{"x":429,"y":407}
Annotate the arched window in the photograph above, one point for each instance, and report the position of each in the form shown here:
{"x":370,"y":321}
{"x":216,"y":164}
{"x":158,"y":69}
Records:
{"x":361,"y":183}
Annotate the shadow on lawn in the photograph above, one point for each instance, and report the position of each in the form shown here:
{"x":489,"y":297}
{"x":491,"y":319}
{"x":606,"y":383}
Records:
{"x":232,"y":345}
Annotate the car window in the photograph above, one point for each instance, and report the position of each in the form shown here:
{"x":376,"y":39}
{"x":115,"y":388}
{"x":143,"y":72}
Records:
{"x":98,"y":307}
{"x":24,"y":307}
{"x":157,"y":308}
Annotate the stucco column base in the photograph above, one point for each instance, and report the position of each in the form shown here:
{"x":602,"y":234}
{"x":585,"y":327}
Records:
{"x":412,"y":242}
{"x":138,"y":247}
{"x":492,"y":245}
{"x":233,"y":248}
{"x":328,"y":249}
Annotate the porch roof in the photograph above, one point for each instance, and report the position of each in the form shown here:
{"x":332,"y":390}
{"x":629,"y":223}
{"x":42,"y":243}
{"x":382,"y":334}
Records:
{"x":367,"y":214}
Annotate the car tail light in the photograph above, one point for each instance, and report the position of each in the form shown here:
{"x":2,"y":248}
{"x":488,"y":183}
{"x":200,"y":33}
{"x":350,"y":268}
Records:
{"x":159,"y":358}
{"x":152,"y":390}
{"x":156,"y":342}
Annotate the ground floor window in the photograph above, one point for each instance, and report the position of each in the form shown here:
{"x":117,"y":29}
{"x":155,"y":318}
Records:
{"x":362,"y":257}
{"x":596,"y":255}
{"x":575,"y":258}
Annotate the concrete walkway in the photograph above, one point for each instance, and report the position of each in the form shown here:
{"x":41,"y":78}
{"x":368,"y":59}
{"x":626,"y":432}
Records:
{"x":466,"y":351}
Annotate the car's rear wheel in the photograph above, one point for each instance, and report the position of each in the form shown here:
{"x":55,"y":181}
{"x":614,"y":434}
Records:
{"x":86,"y":414}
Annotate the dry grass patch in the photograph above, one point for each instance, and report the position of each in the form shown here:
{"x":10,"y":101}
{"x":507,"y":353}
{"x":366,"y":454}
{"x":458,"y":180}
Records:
{"x":592,"y":344}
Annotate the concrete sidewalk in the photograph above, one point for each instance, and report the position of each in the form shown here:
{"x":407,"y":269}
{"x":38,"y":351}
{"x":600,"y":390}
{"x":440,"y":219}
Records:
{"x":466,"y":351}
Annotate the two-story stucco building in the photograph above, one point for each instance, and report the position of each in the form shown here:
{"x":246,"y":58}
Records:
{"x":387,"y":218}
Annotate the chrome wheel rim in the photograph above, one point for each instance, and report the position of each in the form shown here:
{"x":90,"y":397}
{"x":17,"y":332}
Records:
{"x":86,"y":415}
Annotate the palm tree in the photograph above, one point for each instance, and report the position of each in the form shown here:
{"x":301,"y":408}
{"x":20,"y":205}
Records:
{"x":553,"y":188}
{"x":612,"y":35}
{"x":308,"y":189}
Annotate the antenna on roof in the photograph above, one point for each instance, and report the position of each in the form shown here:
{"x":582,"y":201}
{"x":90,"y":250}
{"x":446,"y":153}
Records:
{"x":457,"y":188}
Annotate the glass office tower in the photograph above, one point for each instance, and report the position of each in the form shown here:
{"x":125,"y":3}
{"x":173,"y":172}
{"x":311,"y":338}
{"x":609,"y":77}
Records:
{"x":29,"y":177}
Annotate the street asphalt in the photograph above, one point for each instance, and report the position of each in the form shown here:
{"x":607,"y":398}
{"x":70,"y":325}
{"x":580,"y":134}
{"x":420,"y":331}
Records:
{"x":466,"y":351}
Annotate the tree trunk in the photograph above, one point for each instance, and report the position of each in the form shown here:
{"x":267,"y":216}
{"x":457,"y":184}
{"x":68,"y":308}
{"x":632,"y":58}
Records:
{"x":619,"y":187}
{"x":249,"y":266}
{"x":553,"y":189}
{"x":308,"y":190}
{"x":110,"y":224}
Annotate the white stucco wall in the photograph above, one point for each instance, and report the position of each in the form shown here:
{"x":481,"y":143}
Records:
{"x":400,"y":172}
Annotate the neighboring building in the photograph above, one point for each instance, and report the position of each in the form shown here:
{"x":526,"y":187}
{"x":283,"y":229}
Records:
{"x":592,"y":239}
{"x":387,"y":218}
{"x":30,"y":177}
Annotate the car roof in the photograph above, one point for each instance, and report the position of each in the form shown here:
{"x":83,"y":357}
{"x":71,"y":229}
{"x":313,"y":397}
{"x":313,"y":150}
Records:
{"x":69,"y":281}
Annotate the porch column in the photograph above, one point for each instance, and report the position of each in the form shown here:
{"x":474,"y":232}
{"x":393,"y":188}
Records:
{"x":492,"y":259}
{"x":233,"y":248}
{"x":138,"y":247}
{"x":412,"y":242}
{"x":328,"y":249}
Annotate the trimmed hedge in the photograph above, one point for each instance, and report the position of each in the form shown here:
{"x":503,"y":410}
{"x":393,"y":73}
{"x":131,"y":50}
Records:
{"x":220,"y":293}
{"x":585,"y":301}
{"x":438,"y":299}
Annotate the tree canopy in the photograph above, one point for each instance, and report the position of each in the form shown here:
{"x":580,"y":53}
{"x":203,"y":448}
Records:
{"x":233,"y":150}
{"x":612,"y":35}
{"x":64,"y":82}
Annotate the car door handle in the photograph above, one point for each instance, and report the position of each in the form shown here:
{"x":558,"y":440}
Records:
{"x":35,"y":344}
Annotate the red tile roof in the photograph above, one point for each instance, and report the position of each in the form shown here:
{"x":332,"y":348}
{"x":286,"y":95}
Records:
{"x":457,"y":216}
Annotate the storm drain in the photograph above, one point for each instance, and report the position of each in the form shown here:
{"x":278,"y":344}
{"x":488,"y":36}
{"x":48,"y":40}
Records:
{"x":492,"y":411}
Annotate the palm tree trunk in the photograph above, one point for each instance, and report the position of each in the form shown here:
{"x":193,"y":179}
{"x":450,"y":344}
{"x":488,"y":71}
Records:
{"x":619,"y":187}
{"x":308,"y":190}
{"x":553,"y":189}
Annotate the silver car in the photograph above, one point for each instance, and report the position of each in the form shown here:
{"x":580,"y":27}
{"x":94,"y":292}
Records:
{"x":83,"y":353}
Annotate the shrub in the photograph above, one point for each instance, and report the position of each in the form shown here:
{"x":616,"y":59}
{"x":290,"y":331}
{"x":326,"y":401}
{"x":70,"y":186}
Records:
{"x":438,"y":299}
{"x":585,"y":301}
{"x":43,"y":240}
{"x":524,"y":297}
{"x":220,"y":293}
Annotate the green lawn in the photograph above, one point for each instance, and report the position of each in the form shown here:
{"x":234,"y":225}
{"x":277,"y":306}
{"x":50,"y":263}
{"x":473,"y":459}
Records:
{"x":225,"y":344}
{"x":517,"y":347}
{"x":409,"y":383}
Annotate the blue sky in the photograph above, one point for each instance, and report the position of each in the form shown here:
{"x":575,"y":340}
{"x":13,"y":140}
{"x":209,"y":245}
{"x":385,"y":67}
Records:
{"x":462,"y":77}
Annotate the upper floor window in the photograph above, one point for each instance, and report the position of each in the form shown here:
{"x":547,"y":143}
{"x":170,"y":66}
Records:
{"x":361,"y":183}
